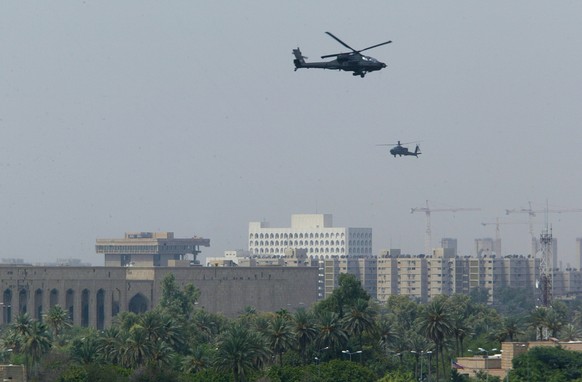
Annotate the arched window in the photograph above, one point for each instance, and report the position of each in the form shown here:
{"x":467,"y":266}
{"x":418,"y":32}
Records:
{"x":85,"y":308}
{"x":138,"y":304}
{"x":100,"y":309}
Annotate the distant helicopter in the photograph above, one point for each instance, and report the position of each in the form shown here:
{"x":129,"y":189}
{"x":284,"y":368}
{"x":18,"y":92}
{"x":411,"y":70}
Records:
{"x":349,"y":62}
{"x":400,"y":150}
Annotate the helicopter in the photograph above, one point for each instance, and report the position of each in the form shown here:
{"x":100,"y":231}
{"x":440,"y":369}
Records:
{"x":400,"y":150}
{"x":353,"y":61}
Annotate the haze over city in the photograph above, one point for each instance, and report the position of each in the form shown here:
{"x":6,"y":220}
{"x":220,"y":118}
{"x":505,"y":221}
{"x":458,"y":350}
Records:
{"x":188,"y":117}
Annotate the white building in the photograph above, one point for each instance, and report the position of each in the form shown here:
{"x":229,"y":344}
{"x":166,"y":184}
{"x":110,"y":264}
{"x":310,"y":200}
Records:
{"x":312,"y":232}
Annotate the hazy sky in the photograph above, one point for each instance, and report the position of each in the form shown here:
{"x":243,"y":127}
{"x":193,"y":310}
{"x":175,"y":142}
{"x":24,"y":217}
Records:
{"x":187,"y":116}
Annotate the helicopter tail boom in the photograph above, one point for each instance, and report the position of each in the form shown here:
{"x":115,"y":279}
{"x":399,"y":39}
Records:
{"x":417,"y":151}
{"x":299,"y":60}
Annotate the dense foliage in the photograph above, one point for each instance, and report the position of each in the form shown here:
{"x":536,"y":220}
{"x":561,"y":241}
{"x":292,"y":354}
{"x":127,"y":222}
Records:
{"x":346,"y":337}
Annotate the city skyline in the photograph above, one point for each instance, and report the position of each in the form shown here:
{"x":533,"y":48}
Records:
{"x":189,"y":118}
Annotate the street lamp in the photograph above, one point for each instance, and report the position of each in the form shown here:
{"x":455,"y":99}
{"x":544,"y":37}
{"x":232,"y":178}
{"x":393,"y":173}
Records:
{"x":317,"y":358}
{"x":420,"y":355}
{"x":350,"y":353}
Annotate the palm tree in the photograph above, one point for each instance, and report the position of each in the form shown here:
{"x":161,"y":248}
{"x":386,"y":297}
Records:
{"x":23,"y":324}
{"x":570,"y":333}
{"x":174,"y":333}
{"x":161,"y":354}
{"x":359,"y":318}
{"x":388,"y":334}
{"x":240,"y":350}
{"x":537,"y":320}
{"x":137,"y":348}
{"x":197,"y":361}
{"x":86,"y":350}
{"x":205,"y":324}
{"x":57,"y":319}
{"x":280,"y":336}
{"x":36,"y":343}
{"x":435,"y":324}
{"x":511,"y":329}
{"x":553,"y":322}
{"x":460,"y":328}
{"x":305,"y":331}
{"x":330,"y":331}
{"x":153,"y":325}
{"x":110,"y":344}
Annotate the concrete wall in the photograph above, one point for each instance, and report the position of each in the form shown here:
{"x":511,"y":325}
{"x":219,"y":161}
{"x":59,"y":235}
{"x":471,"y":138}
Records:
{"x":94,"y":295}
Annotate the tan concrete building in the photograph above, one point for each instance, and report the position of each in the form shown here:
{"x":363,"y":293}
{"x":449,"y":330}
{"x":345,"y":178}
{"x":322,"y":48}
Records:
{"x":94,"y":295}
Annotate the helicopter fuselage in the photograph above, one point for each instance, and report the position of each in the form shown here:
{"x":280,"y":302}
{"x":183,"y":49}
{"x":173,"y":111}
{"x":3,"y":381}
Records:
{"x":350,"y":62}
{"x":400,"y":151}
{"x":359,"y":64}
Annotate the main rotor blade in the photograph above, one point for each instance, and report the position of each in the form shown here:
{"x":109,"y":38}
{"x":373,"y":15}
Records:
{"x":333,"y":55}
{"x":341,"y":42}
{"x":374,"y":46}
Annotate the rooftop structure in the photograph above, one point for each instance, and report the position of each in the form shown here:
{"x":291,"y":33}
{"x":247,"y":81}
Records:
{"x":150,"y":249}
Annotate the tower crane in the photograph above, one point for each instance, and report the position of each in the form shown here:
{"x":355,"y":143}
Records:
{"x":498,"y":233}
{"x":547,"y":266}
{"x":427,"y":211}
{"x":532,"y":213}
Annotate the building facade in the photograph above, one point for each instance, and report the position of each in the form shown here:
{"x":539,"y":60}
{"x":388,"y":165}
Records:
{"x":313,"y":232}
{"x":93,"y":296}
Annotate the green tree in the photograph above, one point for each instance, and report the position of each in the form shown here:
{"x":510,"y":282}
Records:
{"x":175,"y":301}
{"x":388,"y":335}
{"x":554,"y":322}
{"x":359,"y":319}
{"x":570,"y":333}
{"x":435,"y":324}
{"x":541,"y":364}
{"x":22,"y":325}
{"x":537,"y":320}
{"x":344,"y":371}
{"x":197,"y":360}
{"x":85,"y":350}
{"x":348,"y":291}
{"x":330,"y":331}
{"x":110,"y":344}
{"x":75,"y":373}
{"x":511,"y":329}
{"x":36,"y":342}
{"x":304,"y":330}
{"x":240,"y":350}
{"x":137,"y":348}
{"x":280,"y":336}
{"x":58,"y":320}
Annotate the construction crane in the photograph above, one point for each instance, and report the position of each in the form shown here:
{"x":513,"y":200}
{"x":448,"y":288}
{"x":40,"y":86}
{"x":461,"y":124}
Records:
{"x":427,"y":211}
{"x":532,"y":213}
{"x":498,"y":233}
{"x":544,"y":248}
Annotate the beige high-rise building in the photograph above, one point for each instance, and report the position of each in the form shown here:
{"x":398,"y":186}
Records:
{"x":413,"y":277}
{"x":313,"y":232}
{"x":439,"y":267}
{"x":387,"y":274}
{"x":364,"y":268}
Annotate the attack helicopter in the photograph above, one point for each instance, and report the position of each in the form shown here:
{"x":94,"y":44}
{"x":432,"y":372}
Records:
{"x":352,"y":61}
{"x":400,"y":150}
